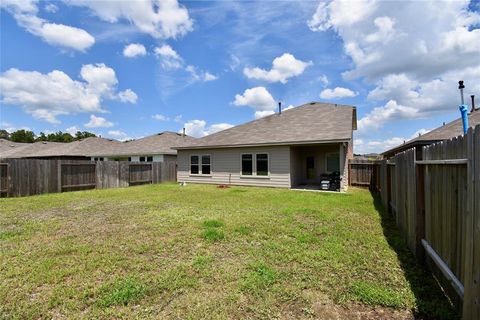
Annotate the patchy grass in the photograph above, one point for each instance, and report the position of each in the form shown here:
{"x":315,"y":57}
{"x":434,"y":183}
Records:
{"x":121,"y":292}
{"x":213,"y":235}
{"x":164,"y":251}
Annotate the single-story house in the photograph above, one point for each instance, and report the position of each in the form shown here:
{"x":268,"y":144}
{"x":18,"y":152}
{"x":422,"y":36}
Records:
{"x":289,"y":149}
{"x":154,"y":148}
{"x":445,"y":132}
{"x":76,"y":150}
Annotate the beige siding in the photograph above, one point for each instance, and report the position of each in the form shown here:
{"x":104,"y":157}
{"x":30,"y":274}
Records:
{"x":226,"y":164}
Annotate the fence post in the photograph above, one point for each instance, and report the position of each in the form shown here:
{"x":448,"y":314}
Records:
{"x":59,"y":175}
{"x":468,"y":299}
{"x":420,"y":206}
{"x":389,"y":187}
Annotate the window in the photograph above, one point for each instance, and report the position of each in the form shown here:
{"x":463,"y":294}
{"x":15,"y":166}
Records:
{"x":194,"y":165}
{"x":333,"y":162}
{"x":149,"y":158}
{"x":142,"y":159}
{"x":129,"y":158}
{"x":247,"y":164}
{"x":262,"y":164}
{"x":206,"y":164}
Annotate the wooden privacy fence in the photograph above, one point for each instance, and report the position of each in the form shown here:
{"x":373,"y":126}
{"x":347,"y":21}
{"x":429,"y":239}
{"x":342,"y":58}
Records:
{"x":363,"y":173}
{"x":25,"y":177}
{"x":435,"y":196}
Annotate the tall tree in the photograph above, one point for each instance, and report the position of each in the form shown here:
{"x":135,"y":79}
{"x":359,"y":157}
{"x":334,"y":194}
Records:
{"x":22,"y":136}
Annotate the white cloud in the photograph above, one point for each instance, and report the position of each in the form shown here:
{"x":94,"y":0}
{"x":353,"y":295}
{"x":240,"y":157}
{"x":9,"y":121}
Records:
{"x":160,"y":117}
{"x":284,"y":67}
{"x":199,"y":128}
{"x":117,"y":133}
{"x":171,"y":61}
{"x":169,"y":58}
{"x":159,"y":18}
{"x":98,"y":122}
{"x":337,"y":93}
{"x":25,"y":13}
{"x":178,"y":118}
{"x":134,"y":50}
{"x":257,"y":98}
{"x":323,"y":79}
{"x":128,"y":96}
{"x":234,"y":62}
{"x":261,"y":114}
{"x":209,"y":77}
{"x":380,"y":115}
{"x":413,"y":52}
{"x":50,"y":7}
{"x":379,"y":146}
{"x":72,"y":130}
{"x":46,"y":96}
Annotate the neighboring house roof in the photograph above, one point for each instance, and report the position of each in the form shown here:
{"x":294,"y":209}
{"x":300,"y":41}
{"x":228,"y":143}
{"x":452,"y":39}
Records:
{"x":313,"y":122}
{"x":7,"y":145}
{"x":445,"y":132}
{"x":160,"y":143}
{"x":43,"y":149}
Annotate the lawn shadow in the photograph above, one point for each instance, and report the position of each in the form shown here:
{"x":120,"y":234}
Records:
{"x":432,"y":303}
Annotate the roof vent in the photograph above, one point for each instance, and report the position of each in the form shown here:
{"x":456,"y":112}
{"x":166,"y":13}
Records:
{"x":312,"y":103}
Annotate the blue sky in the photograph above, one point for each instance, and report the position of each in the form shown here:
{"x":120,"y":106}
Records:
{"x":127,"y":69}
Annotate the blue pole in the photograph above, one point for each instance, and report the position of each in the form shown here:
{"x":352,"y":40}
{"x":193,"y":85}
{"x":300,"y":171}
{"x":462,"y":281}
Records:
{"x":464,"y":111}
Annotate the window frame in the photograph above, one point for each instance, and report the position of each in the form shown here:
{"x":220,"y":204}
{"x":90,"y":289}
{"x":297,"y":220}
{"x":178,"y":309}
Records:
{"x":268,"y":164}
{"x":326,"y":161}
{"x":209,"y":164}
{"x":254,"y":165}
{"x":200,"y":164}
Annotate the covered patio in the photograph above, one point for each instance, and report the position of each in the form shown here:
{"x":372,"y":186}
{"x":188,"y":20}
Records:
{"x":314,"y":163}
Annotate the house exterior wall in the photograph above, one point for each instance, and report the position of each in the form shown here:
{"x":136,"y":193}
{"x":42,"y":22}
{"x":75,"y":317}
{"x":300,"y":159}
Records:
{"x":226,"y":167}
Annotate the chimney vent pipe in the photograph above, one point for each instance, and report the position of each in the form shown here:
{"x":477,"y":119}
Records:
{"x":473,"y":103}
{"x":279,"y":107}
{"x":183,"y":134}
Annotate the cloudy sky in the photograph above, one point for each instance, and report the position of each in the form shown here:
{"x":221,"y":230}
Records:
{"x":127,"y":69}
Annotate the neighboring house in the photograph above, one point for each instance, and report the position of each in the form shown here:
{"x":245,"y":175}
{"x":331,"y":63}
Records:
{"x":76,"y":150}
{"x":293,"y":148}
{"x":156,"y":148}
{"x":445,"y":132}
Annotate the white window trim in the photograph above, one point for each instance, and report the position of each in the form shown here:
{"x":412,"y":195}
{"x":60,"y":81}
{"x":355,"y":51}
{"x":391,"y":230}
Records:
{"x":254,"y":165}
{"x":200,"y":165}
{"x":326,"y":161}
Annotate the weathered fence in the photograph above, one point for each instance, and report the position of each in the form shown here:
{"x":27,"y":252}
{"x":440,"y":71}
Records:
{"x":24,"y":177}
{"x":362,"y":172}
{"x":435,"y":195}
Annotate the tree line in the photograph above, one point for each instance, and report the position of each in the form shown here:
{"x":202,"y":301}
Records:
{"x":28,"y":136}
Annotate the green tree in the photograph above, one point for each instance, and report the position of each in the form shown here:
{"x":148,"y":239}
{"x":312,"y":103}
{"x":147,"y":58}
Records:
{"x":41,"y":137}
{"x":22,"y":136}
{"x":4,"y":134}
{"x":82,"y":135}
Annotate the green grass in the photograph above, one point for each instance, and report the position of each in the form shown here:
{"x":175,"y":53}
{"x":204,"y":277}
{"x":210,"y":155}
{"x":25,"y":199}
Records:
{"x":164,"y":251}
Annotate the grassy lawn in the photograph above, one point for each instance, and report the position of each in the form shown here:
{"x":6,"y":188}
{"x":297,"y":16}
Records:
{"x":164,"y":251}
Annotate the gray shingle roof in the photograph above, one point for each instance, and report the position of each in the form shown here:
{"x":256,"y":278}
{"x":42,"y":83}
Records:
{"x":57,"y":149}
{"x":160,"y":143}
{"x":313,"y":122}
{"x":448,"y":131}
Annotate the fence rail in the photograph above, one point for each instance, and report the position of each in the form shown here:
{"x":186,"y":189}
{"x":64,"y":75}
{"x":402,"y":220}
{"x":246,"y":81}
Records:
{"x":25,"y":177}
